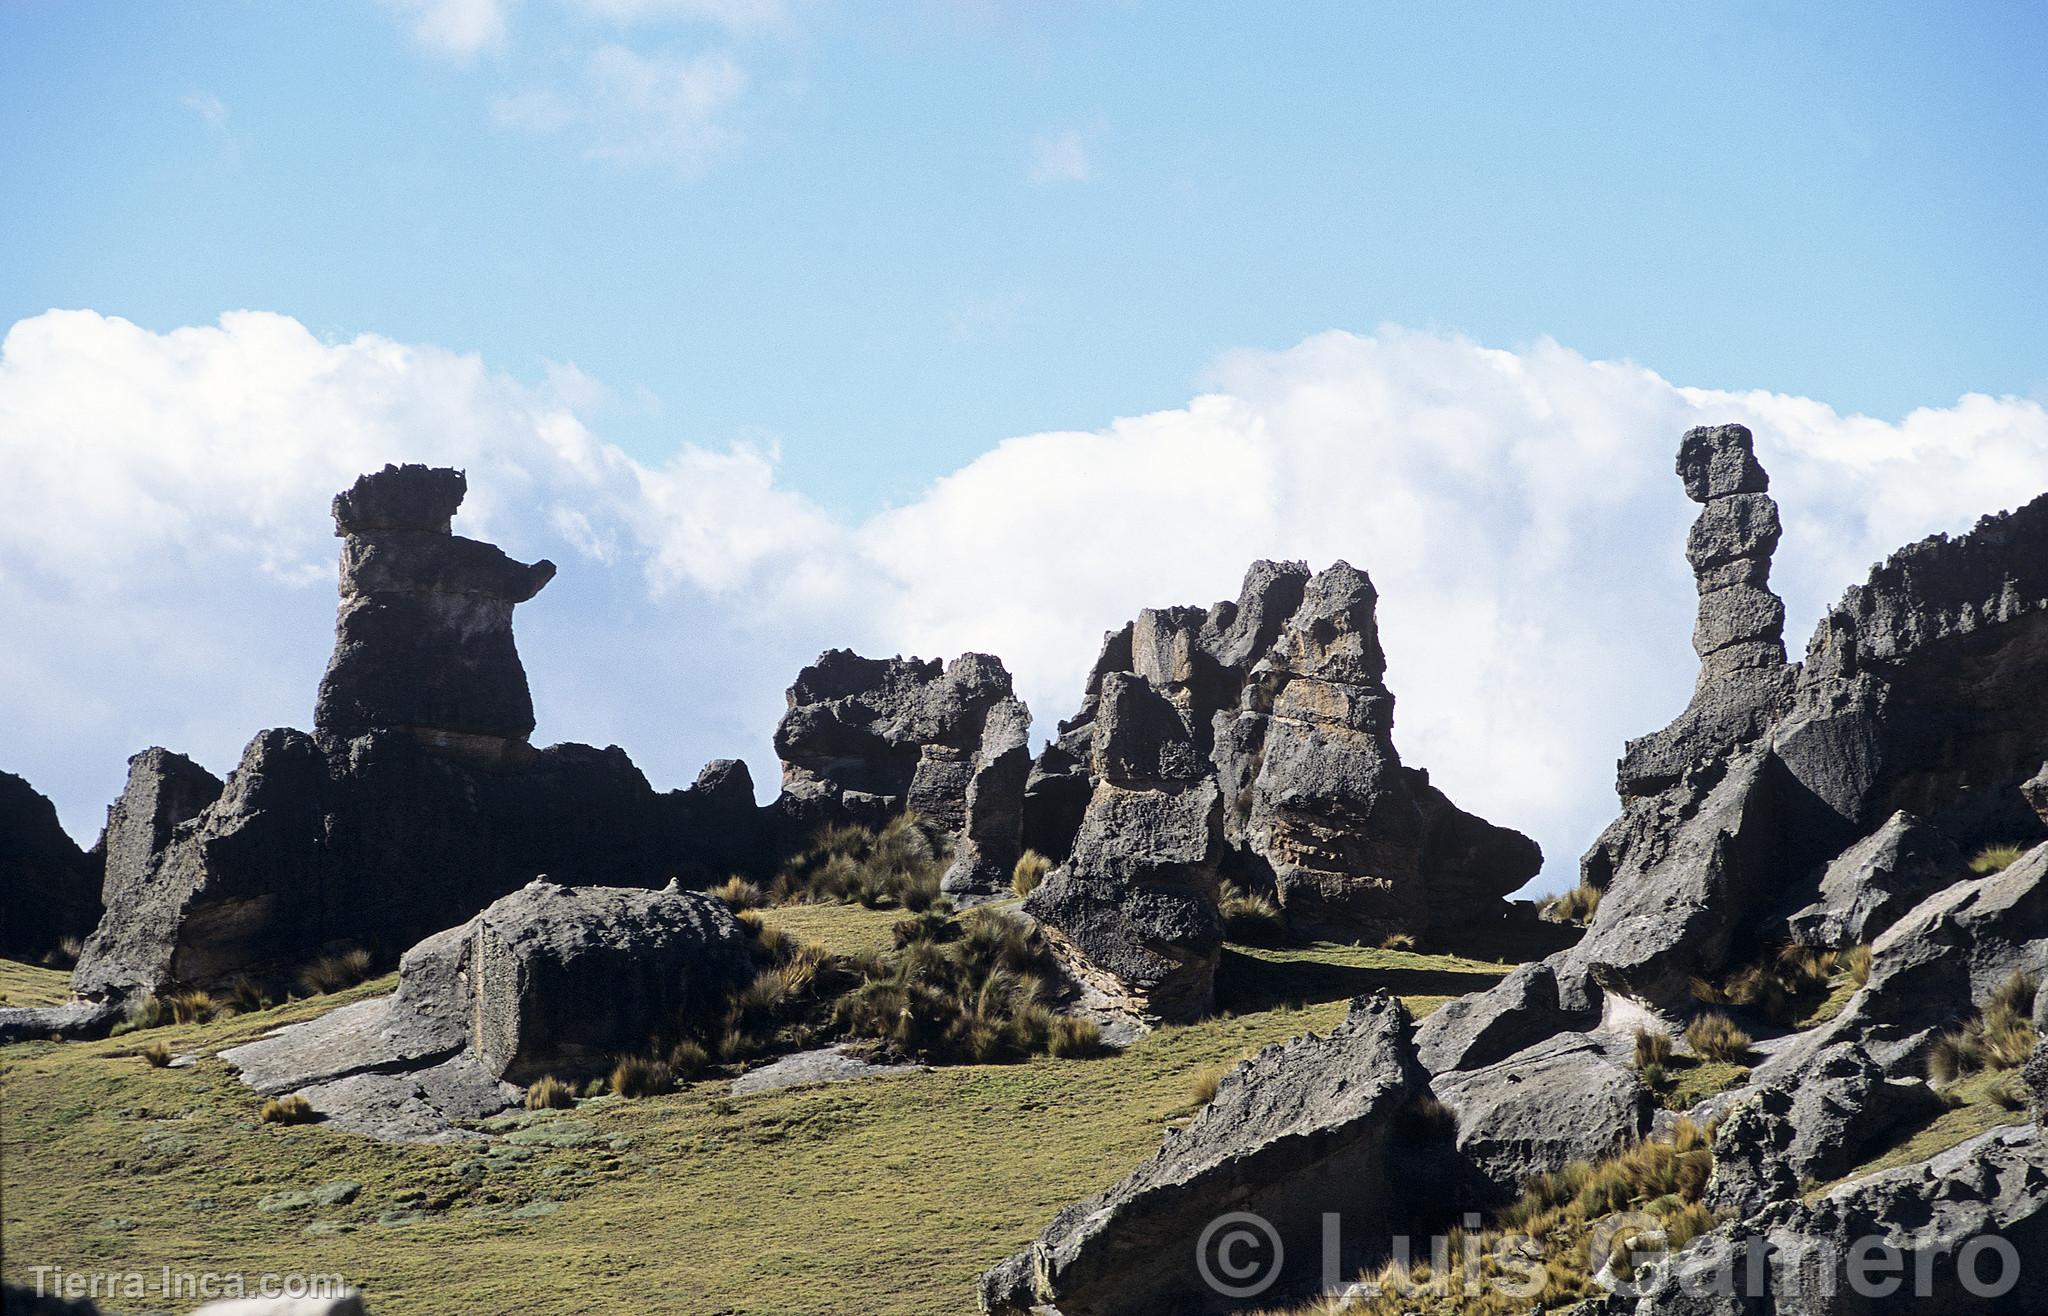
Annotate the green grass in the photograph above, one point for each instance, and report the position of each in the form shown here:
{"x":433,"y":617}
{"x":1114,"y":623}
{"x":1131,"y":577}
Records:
{"x":883,"y":1196}
{"x":30,"y":984}
{"x":1972,"y":1110}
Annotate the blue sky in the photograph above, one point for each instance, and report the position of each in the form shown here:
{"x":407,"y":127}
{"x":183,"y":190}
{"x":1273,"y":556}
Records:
{"x":789,"y":324}
{"x":1843,"y":201}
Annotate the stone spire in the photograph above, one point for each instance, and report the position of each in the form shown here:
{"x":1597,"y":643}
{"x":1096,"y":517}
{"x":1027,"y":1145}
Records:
{"x":1741,"y":623}
{"x":423,"y":641}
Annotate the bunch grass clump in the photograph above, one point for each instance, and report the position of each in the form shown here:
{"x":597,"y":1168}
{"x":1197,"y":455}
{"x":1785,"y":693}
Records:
{"x":1250,"y":917}
{"x":849,"y":864}
{"x":144,"y":1013}
{"x":1652,"y":1048}
{"x":641,"y":1076}
{"x":1783,"y":986}
{"x":1996,"y":858}
{"x":1999,"y":1036}
{"x":334,"y":973}
{"x":1204,"y":1082}
{"x":157,"y":1055}
{"x":193,"y":1007}
{"x":1714,"y":1036}
{"x":1030,"y":871}
{"x":738,"y":893}
{"x":549,"y":1093}
{"x":293,"y":1109}
{"x":1577,"y":905}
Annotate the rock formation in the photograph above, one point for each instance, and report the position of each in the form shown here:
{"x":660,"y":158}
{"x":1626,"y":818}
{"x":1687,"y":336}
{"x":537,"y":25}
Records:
{"x":1354,"y":842}
{"x":1133,"y":913}
{"x":866,"y":738}
{"x":415,"y":803}
{"x":49,"y":889}
{"x":423,"y":641}
{"x":1829,"y":802}
{"x":1312,"y":1126}
{"x":547,"y":980}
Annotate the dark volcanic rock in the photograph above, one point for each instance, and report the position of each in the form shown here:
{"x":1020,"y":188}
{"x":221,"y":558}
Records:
{"x":1317,"y":793}
{"x":423,"y":640}
{"x":1559,"y":1101}
{"x":548,"y":980}
{"x":49,"y":889}
{"x":1133,"y":912}
{"x":1300,"y":1129}
{"x":1869,"y":885}
{"x":866,"y":738}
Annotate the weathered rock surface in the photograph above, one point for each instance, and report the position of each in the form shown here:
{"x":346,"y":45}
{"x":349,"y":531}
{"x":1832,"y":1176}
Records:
{"x":1869,"y":885}
{"x":1300,"y":1129}
{"x":1561,"y":1100}
{"x":1354,"y":841}
{"x":49,"y":888}
{"x":548,"y":980}
{"x":866,"y":738}
{"x":1133,"y":912}
{"x":423,"y":640}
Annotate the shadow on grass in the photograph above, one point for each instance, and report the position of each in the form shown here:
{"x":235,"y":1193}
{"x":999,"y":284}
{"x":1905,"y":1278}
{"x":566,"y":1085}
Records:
{"x":1248,"y":983}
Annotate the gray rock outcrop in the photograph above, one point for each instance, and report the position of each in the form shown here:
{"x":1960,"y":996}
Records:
{"x":1866,"y":888}
{"x":423,"y":639}
{"x":1133,"y":912}
{"x":867,"y":738}
{"x":1355,"y":843}
{"x":548,"y":980}
{"x":49,"y":888}
{"x":1300,"y":1129}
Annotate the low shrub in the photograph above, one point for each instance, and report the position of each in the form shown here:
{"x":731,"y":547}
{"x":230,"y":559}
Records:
{"x":978,"y":996}
{"x":334,"y":973}
{"x":1030,"y":871}
{"x":549,"y":1093}
{"x":1714,"y":1036}
{"x":157,"y":1055}
{"x":641,"y":1076}
{"x":294,"y":1109}
{"x":1996,"y":858}
{"x":1577,"y":905}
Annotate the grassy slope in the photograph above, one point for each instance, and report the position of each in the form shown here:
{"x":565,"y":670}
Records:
{"x":885,"y":1196}
{"x":28,"y":984}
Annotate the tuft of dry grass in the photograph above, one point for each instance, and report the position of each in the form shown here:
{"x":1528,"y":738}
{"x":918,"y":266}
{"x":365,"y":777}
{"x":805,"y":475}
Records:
{"x":738,"y":893}
{"x":1714,"y":1036}
{"x":334,"y":973}
{"x":848,"y":864}
{"x":1652,"y":1048}
{"x":192,"y":1007}
{"x":1999,"y":1036}
{"x":642,"y":1076}
{"x":1030,"y":871}
{"x":1074,"y":1039}
{"x":1856,"y":963}
{"x":293,"y":1109}
{"x":1577,"y":905}
{"x":157,"y":1054}
{"x":1203,"y":1083}
{"x":1398,"y":941}
{"x":689,"y":1058}
{"x":1996,"y":858}
{"x":1249,"y":917}
{"x":64,"y":954}
{"x":549,"y":1093}
{"x":144,"y":1012}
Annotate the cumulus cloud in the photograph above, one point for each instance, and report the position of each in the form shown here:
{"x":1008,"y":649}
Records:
{"x":456,"y":29}
{"x":164,"y":547}
{"x":1060,"y":158}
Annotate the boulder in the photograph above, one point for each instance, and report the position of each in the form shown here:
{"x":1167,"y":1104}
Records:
{"x":1866,"y":888}
{"x":1562,"y":1100}
{"x":867,"y":738}
{"x":548,"y":980}
{"x":1316,"y":793}
{"x":423,"y":639}
{"x":1133,"y":911}
{"x":49,"y":888}
{"x":1300,"y":1129}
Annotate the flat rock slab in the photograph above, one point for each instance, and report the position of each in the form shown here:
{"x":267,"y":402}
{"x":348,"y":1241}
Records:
{"x":833,"y":1064}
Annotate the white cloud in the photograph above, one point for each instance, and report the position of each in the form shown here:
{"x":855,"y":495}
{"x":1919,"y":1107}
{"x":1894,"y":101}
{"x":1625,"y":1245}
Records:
{"x":1060,"y":158}
{"x":165,"y":560}
{"x":211,"y":109}
{"x":732,"y":15}
{"x":456,"y":29}
{"x":661,"y":109}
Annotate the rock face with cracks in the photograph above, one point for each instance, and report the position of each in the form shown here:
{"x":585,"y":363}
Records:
{"x":548,"y":980}
{"x":867,"y":738}
{"x":49,"y":889}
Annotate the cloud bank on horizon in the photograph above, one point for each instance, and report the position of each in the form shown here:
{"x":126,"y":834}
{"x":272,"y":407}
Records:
{"x":167,"y":567}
